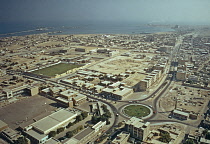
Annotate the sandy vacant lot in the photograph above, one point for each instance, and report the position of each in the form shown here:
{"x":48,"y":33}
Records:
{"x":188,"y":98}
{"x":25,"y":110}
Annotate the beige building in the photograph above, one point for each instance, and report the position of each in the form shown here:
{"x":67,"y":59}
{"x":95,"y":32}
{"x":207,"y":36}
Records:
{"x":121,"y":138}
{"x":181,"y":75}
{"x":149,"y":80}
{"x":71,"y":98}
{"x":87,"y":135}
{"x":180,"y":114}
{"x":137,"y":128}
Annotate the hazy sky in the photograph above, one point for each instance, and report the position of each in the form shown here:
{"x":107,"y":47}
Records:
{"x":107,"y":10}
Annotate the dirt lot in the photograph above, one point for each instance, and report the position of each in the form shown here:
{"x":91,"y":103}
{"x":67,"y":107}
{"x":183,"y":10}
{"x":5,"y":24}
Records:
{"x":121,"y":64}
{"x":188,"y":98}
{"x":25,"y":110}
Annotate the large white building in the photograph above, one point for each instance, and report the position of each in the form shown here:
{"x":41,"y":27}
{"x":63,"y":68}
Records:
{"x":137,"y":128}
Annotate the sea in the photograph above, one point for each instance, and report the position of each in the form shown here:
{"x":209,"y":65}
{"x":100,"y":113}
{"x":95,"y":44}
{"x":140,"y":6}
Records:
{"x":21,"y":28}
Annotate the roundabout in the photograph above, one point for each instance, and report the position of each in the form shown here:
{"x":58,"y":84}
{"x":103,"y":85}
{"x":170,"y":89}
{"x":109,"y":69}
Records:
{"x":137,"y":110}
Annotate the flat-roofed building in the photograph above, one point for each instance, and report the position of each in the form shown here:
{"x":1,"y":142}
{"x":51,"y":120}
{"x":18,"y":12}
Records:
{"x":121,"y":138}
{"x":56,"y":120}
{"x":158,"y":73}
{"x":144,"y":84}
{"x":137,"y":128}
{"x":68,"y":94}
{"x":21,"y":90}
{"x":122,"y":93}
{"x":115,"y":85}
{"x":98,"y":88}
{"x":181,"y":75}
{"x":64,"y":102}
{"x":79,"y":99}
{"x":87,"y":135}
{"x":79,"y":83}
{"x":10,"y":134}
{"x":88,"y":85}
{"x":180,"y":114}
{"x":116,"y":93}
{"x":80,"y":49}
{"x":36,"y":137}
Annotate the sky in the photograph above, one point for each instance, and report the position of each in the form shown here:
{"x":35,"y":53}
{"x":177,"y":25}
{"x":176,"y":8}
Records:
{"x":153,"y":11}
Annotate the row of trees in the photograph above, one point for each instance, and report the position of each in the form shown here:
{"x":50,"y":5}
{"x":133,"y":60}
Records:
{"x":69,"y":134}
{"x":80,"y":117}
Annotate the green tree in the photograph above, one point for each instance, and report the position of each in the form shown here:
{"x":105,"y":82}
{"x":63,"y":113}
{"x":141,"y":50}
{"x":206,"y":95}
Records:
{"x":52,"y":134}
{"x":60,"y":130}
{"x":21,"y":140}
{"x":189,"y":141}
{"x":205,"y":132}
{"x":208,"y":135}
{"x":107,"y":114}
{"x":94,"y":119}
{"x":165,"y":137}
{"x":79,"y":118}
{"x":107,"y":122}
{"x":84,"y":114}
{"x":69,"y":125}
{"x":69,"y":134}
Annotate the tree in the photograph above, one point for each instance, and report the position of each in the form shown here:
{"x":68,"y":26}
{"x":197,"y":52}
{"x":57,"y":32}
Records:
{"x":208,"y":135}
{"x":107,"y":114}
{"x":52,"y":134}
{"x":94,"y":119}
{"x":21,"y":140}
{"x":69,"y":125}
{"x":107,"y":122}
{"x":165,"y":137}
{"x":69,"y":134}
{"x":84,"y":114}
{"x":60,"y":130}
{"x":205,"y":132}
{"x":189,"y":141}
{"x":79,"y":118}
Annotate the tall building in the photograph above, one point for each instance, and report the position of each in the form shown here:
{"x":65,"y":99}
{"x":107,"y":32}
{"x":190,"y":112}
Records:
{"x":137,"y":128}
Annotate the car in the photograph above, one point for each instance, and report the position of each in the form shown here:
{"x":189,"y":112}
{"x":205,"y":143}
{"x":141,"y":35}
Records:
{"x":150,"y":106}
{"x":130,"y":101}
{"x":169,"y":116}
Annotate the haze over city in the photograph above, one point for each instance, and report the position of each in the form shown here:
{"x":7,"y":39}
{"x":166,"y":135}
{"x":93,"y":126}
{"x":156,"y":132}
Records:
{"x":160,"y":11}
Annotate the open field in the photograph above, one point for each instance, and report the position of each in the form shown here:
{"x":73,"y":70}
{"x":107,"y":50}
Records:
{"x":121,"y":64}
{"x":56,"y":69}
{"x":24,"y":111}
{"x":188,"y":99}
{"x":136,"y":111}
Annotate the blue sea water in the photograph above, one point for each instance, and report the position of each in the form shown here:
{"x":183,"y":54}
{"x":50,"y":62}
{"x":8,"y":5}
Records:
{"x":77,"y":27}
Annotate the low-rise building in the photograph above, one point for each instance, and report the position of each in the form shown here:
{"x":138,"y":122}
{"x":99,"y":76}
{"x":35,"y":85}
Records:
{"x":180,"y":114}
{"x":10,"y":134}
{"x":121,"y":138}
{"x":181,"y":75}
{"x":87,"y":135}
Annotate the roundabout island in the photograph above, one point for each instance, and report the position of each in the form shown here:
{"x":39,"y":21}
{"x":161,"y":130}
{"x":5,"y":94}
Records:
{"x":137,"y":110}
